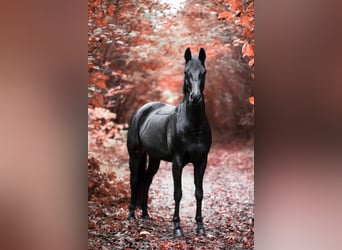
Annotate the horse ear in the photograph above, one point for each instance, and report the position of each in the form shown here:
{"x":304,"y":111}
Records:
{"x":187,"y":55}
{"x":202,"y":55}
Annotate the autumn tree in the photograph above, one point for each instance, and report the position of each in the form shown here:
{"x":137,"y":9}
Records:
{"x":241,"y":12}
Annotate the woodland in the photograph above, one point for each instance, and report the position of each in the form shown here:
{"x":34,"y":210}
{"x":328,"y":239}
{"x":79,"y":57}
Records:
{"x":135,"y":56}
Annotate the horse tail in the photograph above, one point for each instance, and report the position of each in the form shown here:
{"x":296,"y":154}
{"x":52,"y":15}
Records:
{"x":138,"y":158}
{"x":141,"y":178}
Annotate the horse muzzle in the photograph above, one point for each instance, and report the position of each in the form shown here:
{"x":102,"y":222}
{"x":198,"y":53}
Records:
{"x":195,"y":98}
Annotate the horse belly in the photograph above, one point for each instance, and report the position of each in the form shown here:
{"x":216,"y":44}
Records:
{"x":153,"y":137}
{"x":157,"y":150}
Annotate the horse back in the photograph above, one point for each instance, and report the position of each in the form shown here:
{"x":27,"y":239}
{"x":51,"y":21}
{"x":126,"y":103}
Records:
{"x":150,"y":129}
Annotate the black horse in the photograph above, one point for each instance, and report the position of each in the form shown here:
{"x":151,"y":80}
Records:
{"x":179,"y":134}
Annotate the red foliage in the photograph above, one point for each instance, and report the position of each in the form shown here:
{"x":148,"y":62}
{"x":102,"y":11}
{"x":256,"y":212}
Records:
{"x":242,"y":11}
{"x":251,"y":100}
{"x":97,"y":100}
{"x":131,"y":61}
{"x":224,"y":14}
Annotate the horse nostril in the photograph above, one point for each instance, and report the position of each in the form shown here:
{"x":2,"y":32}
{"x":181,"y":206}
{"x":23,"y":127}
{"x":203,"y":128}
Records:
{"x":195,"y":98}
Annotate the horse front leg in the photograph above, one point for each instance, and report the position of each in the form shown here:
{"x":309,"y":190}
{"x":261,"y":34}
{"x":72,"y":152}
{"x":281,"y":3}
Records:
{"x":177,"y":182}
{"x":199,"y":170}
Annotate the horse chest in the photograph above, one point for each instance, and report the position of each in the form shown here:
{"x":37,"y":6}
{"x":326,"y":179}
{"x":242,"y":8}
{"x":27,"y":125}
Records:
{"x":193,"y":138}
{"x":195,"y":142}
{"x":193,"y":152}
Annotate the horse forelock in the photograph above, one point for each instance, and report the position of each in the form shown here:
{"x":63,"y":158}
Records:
{"x":194,"y":64}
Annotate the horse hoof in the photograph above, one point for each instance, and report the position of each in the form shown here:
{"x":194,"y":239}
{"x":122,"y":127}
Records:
{"x":200,"y":231}
{"x":178,"y":232}
{"x":131,"y":217}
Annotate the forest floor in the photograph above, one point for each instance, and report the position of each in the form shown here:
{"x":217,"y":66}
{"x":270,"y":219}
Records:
{"x":146,"y":62}
{"x":228,"y":204}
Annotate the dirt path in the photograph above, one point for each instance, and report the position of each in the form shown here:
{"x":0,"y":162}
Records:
{"x":228,"y":200}
{"x":228,"y":208}
{"x":145,"y":51}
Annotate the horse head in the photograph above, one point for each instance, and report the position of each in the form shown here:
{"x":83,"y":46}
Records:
{"x":194,"y":77}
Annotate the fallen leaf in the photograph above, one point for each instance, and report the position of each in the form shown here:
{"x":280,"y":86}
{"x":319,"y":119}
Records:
{"x":244,"y":20}
{"x":111,"y":9}
{"x":246,"y":32}
{"x":165,"y":244}
{"x":101,"y":84}
{"x":223,"y":15}
{"x":144,"y":233}
{"x":97,"y":75}
{"x":251,"y":63}
{"x":236,"y":5}
{"x":97,"y":100}
{"x":247,"y":49}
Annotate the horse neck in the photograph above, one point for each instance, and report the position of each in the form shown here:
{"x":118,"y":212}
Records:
{"x":194,"y":114}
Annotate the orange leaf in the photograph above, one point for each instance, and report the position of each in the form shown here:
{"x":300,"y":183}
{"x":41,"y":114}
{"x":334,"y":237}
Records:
{"x":104,"y":21}
{"x":251,"y":7}
{"x":165,"y":245}
{"x":246,"y":32}
{"x":223,"y":14}
{"x":236,"y":5}
{"x":110,"y":9}
{"x":244,"y":20}
{"x":228,"y":19}
{"x":97,"y":100}
{"x":247,"y":49}
{"x":251,"y":63}
{"x":98,"y":75}
{"x":101,"y":84}
{"x":251,"y":100}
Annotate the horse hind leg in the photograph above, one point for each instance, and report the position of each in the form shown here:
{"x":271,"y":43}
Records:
{"x":137,"y":166}
{"x":141,"y":178}
{"x":153,"y":166}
